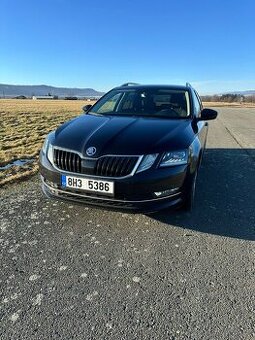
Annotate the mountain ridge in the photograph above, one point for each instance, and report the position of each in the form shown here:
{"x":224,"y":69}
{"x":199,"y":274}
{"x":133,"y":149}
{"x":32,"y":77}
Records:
{"x":8,"y":90}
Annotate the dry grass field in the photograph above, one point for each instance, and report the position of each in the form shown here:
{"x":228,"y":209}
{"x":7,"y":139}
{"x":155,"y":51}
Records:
{"x":222,"y":104}
{"x":23,"y":127}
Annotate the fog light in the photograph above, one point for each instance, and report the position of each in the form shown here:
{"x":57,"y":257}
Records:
{"x":166,"y":192}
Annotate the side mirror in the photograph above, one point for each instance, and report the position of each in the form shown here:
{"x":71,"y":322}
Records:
{"x":86,"y":108}
{"x":208,"y":114}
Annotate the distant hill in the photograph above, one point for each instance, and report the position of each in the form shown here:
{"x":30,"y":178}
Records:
{"x":42,"y":90}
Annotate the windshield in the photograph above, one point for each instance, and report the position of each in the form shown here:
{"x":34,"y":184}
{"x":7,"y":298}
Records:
{"x":167,"y":103}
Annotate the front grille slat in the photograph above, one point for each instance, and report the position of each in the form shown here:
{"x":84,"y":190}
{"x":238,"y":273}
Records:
{"x":55,"y":158}
{"x":119,"y":167}
{"x":125,"y":166}
{"x":77,"y":163}
{"x":58,"y":159}
{"x":109,"y":166}
{"x":97,"y":167}
{"x":105,"y":166}
{"x":131,"y":165}
{"x":115,"y":166}
{"x":61,"y":159}
{"x":73,"y":162}
{"x":67,"y":161}
{"x":64,"y":160}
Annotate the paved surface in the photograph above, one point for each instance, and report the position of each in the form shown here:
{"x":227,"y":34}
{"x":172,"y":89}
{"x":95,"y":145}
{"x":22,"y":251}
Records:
{"x":70,"y":272}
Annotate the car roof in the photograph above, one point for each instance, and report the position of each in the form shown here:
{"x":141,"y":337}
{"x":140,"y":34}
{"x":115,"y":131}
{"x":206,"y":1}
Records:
{"x":142,"y":87}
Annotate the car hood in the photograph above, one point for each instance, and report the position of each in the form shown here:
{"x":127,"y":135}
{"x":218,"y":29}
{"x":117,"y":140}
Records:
{"x":124,"y":135}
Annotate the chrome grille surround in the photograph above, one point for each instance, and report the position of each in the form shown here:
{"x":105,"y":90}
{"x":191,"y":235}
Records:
{"x":106,"y":166}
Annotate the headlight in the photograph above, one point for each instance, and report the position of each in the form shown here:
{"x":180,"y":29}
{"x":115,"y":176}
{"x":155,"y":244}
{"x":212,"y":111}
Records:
{"x":50,"y":153}
{"x":174,"y":158}
{"x":147,"y":162}
{"x":45,"y":145}
{"x":47,"y":148}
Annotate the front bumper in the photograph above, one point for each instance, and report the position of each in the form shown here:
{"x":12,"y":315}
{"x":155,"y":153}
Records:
{"x":134,"y":194}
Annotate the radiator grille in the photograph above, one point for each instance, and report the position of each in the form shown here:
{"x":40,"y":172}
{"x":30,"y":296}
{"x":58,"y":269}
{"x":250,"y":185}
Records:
{"x":106,"y":166}
{"x":115,"y":166}
{"x":68,"y":161}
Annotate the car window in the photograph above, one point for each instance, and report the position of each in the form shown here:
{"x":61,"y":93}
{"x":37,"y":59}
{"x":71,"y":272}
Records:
{"x":109,"y":105}
{"x":127,"y":103}
{"x":197,"y":104}
{"x":175,"y":100}
{"x":145,"y":102}
{"x":199,"y":99}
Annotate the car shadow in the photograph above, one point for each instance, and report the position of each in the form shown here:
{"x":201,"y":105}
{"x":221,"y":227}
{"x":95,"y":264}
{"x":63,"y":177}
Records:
{"x":225,"y":196}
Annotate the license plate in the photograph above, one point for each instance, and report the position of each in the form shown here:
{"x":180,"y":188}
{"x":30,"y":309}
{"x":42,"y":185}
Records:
{"x":87,"y":184}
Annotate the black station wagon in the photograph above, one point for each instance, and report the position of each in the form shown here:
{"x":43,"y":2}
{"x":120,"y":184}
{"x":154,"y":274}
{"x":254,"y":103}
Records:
{"x":138,"y":148}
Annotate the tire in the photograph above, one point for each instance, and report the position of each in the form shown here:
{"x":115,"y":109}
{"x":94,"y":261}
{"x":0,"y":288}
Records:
{"x":190,"y":193}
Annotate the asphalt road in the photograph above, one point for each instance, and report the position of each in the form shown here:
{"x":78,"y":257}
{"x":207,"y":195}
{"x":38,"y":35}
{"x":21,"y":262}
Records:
{"x":71,"y":272}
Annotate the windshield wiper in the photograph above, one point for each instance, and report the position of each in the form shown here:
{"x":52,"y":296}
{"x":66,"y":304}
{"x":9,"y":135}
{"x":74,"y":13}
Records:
{"x":95,"y":114}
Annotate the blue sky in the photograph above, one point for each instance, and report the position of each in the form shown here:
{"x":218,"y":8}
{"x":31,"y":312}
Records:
{"x":102,"y":44}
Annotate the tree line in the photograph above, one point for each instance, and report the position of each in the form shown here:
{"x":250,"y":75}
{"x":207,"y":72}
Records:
{"x":229,"y":98}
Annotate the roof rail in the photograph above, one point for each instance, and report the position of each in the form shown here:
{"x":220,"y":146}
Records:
{"x":188,"y":84}
{"x":129,"y":84}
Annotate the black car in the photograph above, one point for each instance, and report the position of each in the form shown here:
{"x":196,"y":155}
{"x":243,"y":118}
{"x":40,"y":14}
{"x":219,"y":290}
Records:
{"x":138,"y":148}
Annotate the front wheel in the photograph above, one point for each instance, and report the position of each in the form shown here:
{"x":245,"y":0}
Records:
{"x":190,"y":193}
